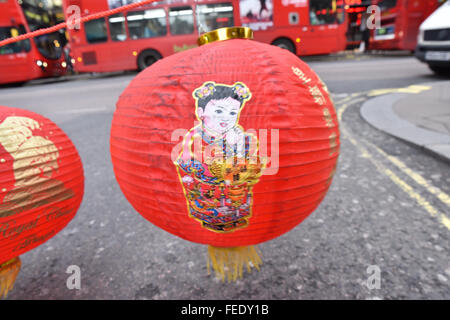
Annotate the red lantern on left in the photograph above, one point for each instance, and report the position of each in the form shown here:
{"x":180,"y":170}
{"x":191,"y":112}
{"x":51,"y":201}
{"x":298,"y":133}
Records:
{"x":41,"y":186}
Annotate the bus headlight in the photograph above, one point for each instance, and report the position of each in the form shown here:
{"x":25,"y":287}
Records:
{"x":39,"y":63}
{"x":64,"y":64}
{"x":45,"y":64}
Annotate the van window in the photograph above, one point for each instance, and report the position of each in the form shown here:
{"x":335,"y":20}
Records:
{"x":214,"y":16}
{"x":181,"y":20}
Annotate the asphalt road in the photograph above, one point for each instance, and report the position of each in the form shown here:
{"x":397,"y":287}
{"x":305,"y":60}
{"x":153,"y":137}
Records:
{"x":367,"y":219}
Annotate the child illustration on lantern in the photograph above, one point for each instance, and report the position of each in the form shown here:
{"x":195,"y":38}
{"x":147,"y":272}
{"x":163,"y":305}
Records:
{"x":219,"y":163}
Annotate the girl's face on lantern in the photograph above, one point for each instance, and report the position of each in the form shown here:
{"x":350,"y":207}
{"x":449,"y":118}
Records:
{"x":220,"y":115}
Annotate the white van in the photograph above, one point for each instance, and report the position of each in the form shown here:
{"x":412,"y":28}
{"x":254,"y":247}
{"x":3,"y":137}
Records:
{"x":433,"y":45}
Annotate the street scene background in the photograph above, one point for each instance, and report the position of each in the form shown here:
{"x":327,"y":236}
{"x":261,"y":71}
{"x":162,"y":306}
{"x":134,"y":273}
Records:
{"x":387,"y":209}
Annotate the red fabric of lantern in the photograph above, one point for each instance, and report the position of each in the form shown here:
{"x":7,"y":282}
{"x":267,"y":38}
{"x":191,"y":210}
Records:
{"x":41,"y":186}
{"x":229,"y":144}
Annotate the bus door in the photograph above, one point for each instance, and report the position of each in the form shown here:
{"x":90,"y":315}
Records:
{"x":322,"y":33}
{"x":182,"y":28}
{"x":95,"y":32}
{"x":290,"y":19}
{"x":120,"y":53}
{"x":390,"y":13}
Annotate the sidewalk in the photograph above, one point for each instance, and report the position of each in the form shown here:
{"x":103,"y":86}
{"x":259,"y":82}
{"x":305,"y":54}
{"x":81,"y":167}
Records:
{"x":421,"y":119}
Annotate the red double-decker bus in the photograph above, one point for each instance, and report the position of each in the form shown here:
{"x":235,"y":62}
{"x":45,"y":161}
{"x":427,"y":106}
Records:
{"x":400,"y":21}
{"x":137,"y":38}
{"x":29,"y":59}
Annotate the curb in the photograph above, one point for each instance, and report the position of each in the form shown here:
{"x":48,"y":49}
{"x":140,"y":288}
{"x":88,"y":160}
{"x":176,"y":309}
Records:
{"x":79,"y":76}
{"x":355,"y":55}
{"x":379,"y":113}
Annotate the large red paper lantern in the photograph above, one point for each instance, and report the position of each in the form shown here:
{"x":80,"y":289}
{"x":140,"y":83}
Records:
{"x":41,"y":186}
{"x":229,"y":144}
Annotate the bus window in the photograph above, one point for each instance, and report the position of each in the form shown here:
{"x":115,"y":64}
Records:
{"x":324,"y":12}
{"x":117,"y":27}
{"x":214,"y":16}
{"x":49,"y":45}
{"x":147,"y":24}
{"x":181,"y":20}
{"x":17,"y":47}
{"x":96,"y":31}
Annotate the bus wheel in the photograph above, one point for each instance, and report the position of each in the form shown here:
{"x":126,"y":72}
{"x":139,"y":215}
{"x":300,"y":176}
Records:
{"x":147,"y":58}
{"x":285,"y":44}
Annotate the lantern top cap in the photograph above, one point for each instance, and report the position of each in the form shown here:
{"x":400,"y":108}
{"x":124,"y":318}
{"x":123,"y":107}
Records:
{"x":225,"y":34}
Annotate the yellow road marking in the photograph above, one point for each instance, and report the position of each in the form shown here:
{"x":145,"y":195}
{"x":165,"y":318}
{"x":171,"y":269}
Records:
{"x":341,"y":111}
{"x":349,"y":97}
{"x":442,"y":196}
{"x":421,"y":201}
{"x":445,"y":221}
{"x":410,"y":89}
{"x":344,"y":107}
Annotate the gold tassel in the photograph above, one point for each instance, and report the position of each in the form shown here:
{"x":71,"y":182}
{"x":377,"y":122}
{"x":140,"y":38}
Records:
{"x":231,"y":261}
{"x":8,"y":274}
